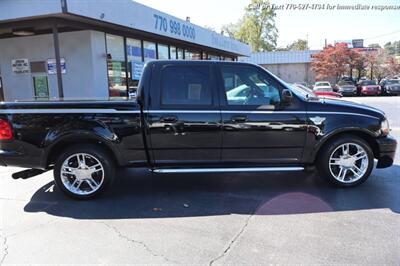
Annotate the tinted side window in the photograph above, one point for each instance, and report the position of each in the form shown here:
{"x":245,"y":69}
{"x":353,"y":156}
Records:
{"x":186,"y":85}
{"x":246,"y":85}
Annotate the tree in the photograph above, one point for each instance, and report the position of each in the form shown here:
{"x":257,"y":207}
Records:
{"x":332,"y":61}
{"x":393,"y":66}
{"x":231,"y":29}
{"x":392,"y":48}
{"x":257,"y":27}
{"x":374,"y":45}
{"x":358,"y":62}
{"x":377,"y":65}
{"x":209,"y":28}
{"x":382,"y":64}
{"x":298,"y":45}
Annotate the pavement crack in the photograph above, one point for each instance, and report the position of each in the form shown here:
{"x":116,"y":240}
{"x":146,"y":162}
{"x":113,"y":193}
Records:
{"x":126,"y":238}
{"x":5,"y":250}
{"x":234,"y":239}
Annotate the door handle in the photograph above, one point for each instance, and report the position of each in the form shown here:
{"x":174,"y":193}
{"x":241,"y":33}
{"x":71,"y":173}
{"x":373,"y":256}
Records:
{"x":169,"y":119}
{"x":239,"y":118}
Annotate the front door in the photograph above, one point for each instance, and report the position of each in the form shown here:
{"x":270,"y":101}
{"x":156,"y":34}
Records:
{"x":184,"y":117}
{"x":257,"y":128}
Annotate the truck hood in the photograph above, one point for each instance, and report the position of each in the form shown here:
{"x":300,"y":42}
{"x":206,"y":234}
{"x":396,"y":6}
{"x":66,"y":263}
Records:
{"x":340,"y":105}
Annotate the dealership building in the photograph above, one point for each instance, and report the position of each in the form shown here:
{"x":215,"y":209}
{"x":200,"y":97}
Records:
{"x":291,"y":66}
{"x":87,"y":49}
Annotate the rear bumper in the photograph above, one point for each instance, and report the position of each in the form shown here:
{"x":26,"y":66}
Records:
{"x":387,"y":151}
{"x":7,"y":157}
{"x":19,"y":159}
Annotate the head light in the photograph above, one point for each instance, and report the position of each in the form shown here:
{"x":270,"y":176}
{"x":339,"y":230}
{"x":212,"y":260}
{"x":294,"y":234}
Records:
{"x":385,"y":129}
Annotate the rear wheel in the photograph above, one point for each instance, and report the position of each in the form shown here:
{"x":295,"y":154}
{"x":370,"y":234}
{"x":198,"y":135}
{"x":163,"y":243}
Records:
{"x":84,"y":171}
{"x":346,"y":161}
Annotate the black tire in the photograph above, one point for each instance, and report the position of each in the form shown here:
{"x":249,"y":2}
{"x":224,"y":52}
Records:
{"x":323,"y":161}
{"x":104,"y":177}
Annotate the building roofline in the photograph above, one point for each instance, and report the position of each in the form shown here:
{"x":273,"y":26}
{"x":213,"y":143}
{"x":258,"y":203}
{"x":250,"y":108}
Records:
{"x":129,"y":15}
{"x":281,"y":57}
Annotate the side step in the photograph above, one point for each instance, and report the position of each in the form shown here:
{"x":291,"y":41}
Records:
{"x":25,"y":174}
{"x":225,"y":170}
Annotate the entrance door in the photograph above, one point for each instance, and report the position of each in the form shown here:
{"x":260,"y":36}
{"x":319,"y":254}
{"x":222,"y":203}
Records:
{"x":40,"y":80}
{"x":257,"y":128}
{"x":184,"y":117}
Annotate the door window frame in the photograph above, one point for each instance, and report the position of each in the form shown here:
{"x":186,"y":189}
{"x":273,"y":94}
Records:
{"x":222,"y":93}
{"x":157,"y":97}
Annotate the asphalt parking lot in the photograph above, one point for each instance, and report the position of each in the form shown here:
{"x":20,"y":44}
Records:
{"x":207,"y":219}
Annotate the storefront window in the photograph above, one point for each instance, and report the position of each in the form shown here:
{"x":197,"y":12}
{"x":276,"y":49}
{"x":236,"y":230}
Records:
{"x":172,"y":50}
{"x":134,"y":50}
{"x":116,"y":67}
{"x":192,"y":55}
{"x":180,"y":54}
{"x":213,"y":57}
{"x":135,"y":65}
{"x":163,"y":51}
{"x":149,"y":49}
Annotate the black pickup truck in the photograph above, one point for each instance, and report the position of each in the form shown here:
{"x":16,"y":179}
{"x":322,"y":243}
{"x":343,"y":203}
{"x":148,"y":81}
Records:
{"x":192,"y":117}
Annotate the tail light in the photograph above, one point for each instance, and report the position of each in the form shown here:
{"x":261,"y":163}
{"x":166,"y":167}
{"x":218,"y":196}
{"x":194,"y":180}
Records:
{"x":5,"y":130}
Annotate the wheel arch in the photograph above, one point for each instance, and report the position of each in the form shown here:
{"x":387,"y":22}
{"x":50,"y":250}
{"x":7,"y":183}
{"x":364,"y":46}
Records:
{"x":365,"y":135}
{"x":75,"y":139}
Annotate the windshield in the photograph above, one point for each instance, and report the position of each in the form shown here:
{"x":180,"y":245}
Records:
{"x":393,"y":81}
{"x":368,"y":82}
{"x":305,"y":94}
{"x":323,"y":84}
{"x":302,"y":91}
{"x":345,"y":83}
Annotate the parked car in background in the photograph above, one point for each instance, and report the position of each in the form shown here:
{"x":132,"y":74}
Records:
{"x":348,"y":79}
{"x":390,"y":86}
{"x":368,"y":87}
{"x":327,"y":92}
{"x":347,"y":88}
{"x":322,"y":86}
{"x":322,"y":93}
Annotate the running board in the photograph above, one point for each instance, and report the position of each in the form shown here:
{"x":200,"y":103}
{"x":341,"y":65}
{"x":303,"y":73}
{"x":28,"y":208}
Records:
{"x":225,"y":170}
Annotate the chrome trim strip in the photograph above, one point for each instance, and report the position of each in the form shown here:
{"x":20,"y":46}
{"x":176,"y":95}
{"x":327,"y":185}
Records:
{"x":114,"y":111}
{"x":226,"y":170}
{"x":340,"y":113}
{"x":67,"y":111}
{"x":254,"y":112}
{"x":182,"y":111}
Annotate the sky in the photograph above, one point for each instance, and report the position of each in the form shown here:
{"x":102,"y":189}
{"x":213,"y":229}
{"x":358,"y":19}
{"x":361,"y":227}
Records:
{"x":373,"y":26}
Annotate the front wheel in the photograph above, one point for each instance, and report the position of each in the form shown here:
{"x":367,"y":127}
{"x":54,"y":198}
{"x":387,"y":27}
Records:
{"x":346,"y":161}
{"x":84,"y":171}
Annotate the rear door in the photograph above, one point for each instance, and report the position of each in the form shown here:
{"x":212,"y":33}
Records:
{"x":257,"y":127}
{"x":184,"y":115}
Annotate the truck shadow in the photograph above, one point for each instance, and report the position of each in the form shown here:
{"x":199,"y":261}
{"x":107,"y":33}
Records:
{"x":140,"y":194}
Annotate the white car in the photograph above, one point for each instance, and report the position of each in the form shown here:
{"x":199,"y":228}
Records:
{"x":322,"y":86}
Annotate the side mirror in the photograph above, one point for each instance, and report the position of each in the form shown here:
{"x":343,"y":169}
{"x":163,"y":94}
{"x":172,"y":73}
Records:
{"x":287,"y":97}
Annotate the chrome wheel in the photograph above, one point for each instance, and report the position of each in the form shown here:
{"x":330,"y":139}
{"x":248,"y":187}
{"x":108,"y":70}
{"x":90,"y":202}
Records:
{"x":348,"y":163}
{"x":82,"y":174}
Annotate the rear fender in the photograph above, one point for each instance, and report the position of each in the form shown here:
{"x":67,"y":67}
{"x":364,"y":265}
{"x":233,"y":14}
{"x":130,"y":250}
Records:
{"x":80,"y":132}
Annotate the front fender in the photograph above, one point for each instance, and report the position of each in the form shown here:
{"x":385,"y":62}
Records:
{"x":319,"y":135}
